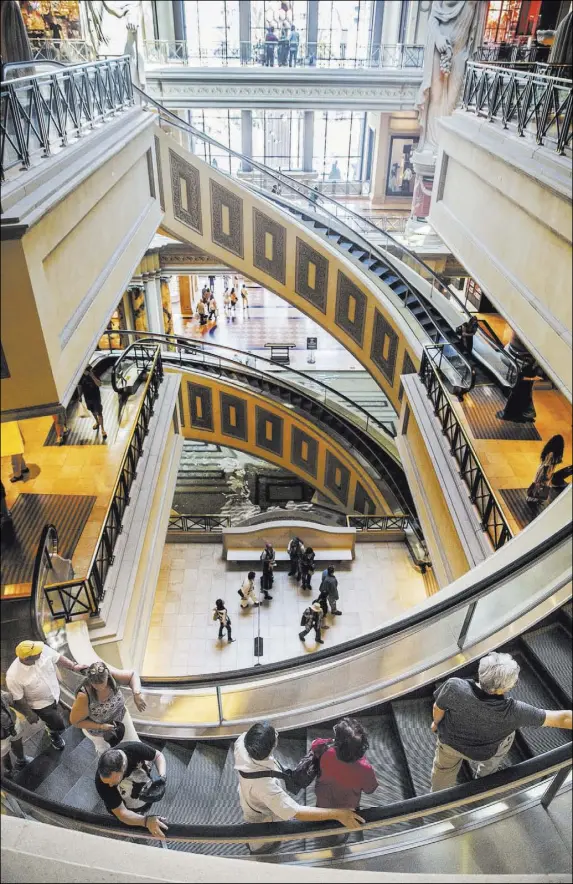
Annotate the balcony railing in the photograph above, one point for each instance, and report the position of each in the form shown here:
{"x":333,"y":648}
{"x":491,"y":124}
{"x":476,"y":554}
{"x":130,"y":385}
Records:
{"x":42,"y":113}
{"x":492,"y":519}
{"x":254,"y":53}
{"x":534,"y":104}
{"x":515,"y":51}
{"x":84,"y":595}
{"x":66,"y":51}
{"x":208,"y":524}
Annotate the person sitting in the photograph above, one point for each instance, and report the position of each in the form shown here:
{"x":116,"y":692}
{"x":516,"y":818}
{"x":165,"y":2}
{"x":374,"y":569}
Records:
{"x":247,"y":591}
{"x":99,"y":703}
{"x":263,"y":799}
{"x":122,"y":780}
{"x":476,"y":721}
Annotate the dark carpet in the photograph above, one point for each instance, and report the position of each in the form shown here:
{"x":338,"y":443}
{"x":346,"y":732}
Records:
{"x":480,"y":407}
{"x":522,"y":512}
{"x":68,"y":512}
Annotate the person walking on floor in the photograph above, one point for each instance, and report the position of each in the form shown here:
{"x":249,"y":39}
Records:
{"x":202,"y":312}
{"x":99,"y":703}
{"x":247,"y":591}
{"x":307,"y":567}
{"x":90,"y":390}
{"x":295,"y":550}
{"x":269,"y":561}
{"x":329,"y":588}
{"x":245,"y":297}
{"x":11,"y":736}
{"x":312,"y":619}
{"x":33,"y":682}
{"x":263,"y":798}
{"x":551,"y":456}
{"x":227,"y":302}
{"x":476,"y":721}
{"x":220,"y":614}
{"x":233,"y":302}
{"x":212,"y":308}
{"x":60,"y":427}
{"x":12,"y":443}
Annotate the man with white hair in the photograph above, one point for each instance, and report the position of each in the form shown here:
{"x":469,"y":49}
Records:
{"x":476,"y":721}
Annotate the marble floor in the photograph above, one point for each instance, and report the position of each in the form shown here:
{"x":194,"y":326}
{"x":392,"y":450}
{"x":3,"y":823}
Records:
{"x":379,"y":584}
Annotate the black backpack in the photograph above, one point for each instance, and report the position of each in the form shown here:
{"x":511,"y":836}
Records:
{"x":7,"y":721}
{"x":295,"y":778}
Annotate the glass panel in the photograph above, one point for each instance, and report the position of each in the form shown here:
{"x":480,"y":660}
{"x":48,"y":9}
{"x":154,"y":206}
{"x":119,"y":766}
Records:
{"x":224,"y":126}
{"x":277,"y":138}
{"x":344,"y":30}
{"x":279,"y":16}
{"x":338,"y":145}
{"x":212,"y":29}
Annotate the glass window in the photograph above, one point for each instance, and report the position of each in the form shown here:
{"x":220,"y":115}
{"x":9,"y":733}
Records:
{"x":277,"y":14}
{"x":225,"y":127}
{"x":501,"y":21}
{"x":278,"y":138}
{"x":344,"y":31}
{"x":212,"y":30}
{"x":338,"y":145}
{"x":400,"y":173}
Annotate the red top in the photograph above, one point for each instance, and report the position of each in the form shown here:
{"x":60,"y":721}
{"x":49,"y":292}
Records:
{"x":341,"y":784}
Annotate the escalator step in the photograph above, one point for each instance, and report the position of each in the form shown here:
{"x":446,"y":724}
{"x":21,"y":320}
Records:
{"x":400,"y":289}
{"x":345,"y":244}
{"x":199,"y":785}
{"x":567,"y":614}
{"x":413,"y":719}
{"x":72,"y":764}
{"x":177,"y":758}
{"x":46,"y":760}
{"x":225,"y":811}
{"x":551,"y":648}
{"x":530,"y":689}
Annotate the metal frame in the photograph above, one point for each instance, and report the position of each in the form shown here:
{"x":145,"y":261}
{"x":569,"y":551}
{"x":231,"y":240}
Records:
{"x":492,"y":519}
{"x":84,"y":595}
{"x":41,"y":113}
{"x":535,"y":104}
{"x":211,"y":524}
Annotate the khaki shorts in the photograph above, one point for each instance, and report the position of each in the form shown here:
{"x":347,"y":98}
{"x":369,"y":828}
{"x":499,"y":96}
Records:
{"x":7,"y":742}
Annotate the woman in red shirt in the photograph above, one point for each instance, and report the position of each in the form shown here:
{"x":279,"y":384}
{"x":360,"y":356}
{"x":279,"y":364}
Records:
{"x":344,"y":772}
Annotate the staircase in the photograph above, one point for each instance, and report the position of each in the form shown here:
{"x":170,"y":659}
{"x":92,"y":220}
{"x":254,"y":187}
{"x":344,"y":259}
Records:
{"x":202,"y":784}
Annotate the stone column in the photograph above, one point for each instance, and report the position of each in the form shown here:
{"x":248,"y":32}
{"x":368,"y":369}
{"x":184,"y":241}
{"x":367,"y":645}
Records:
{"x":376,"y":38}
{"x":307,"y":140}
{"x":178,"y":19}
{"x":246,"y":138}
{"x":166,"y":305}
{"x":311,"y":28}
{"x":245,"y":30}
{"x":185,"y":296}
{"x":153,"y":304}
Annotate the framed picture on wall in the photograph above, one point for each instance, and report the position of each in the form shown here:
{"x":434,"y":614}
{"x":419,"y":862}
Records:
{"x":400,"y":173}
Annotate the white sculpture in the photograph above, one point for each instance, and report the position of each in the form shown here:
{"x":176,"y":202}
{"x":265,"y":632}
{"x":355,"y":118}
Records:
{"x":447,"y":50}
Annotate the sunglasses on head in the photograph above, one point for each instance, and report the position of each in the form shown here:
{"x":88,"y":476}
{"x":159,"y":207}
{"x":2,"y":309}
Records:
{"x":96,"y":670}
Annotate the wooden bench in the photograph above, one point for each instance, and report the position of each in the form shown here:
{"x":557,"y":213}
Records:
{"x":330,"y":544}
{"x":280,"y":352}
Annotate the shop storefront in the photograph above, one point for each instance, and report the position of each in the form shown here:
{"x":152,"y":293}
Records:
{"x":52,"y":19}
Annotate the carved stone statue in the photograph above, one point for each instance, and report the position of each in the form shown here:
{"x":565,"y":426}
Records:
{"x":447,"y":50}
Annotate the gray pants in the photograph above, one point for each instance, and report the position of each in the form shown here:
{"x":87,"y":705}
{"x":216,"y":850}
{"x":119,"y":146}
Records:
{"x":447,"y":762}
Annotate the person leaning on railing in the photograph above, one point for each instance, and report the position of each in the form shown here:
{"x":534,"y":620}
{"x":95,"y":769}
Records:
{"x":476,"y":721}
{"x":123,"y":782}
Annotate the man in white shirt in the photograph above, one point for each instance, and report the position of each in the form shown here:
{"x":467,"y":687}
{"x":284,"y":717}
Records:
{"x":264,"y":799}
{"x":248,"y":591}
{"x":33,"y":682}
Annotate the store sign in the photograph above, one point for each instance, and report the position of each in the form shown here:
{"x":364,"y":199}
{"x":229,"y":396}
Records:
{"x":312,"y":343}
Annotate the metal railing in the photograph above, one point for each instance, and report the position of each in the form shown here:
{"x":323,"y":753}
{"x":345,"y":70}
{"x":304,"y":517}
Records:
{"x":514,"y":51}
{"x":413,"y":537}
{"x":66,"y":51}
{"x":258,"y":54}
{"x":492,"y":519}
{"x":42,"y":113}
{"x":533,"y":104}
{"x":83,"y":595}
{"x":209,"y":524}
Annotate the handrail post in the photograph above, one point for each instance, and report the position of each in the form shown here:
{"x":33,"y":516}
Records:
{"x":219,"y":703}
{"x":466,"y":625}
{"x":554,"y":786}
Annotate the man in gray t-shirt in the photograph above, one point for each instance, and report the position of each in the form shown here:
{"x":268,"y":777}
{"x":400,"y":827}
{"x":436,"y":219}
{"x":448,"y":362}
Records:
{"x":477,"y":722}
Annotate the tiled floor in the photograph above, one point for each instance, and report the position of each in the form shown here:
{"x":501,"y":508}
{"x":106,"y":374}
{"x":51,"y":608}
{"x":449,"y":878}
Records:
{"x":380,"y":584}
{"x":71,"y":469}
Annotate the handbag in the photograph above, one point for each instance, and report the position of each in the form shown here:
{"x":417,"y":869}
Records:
{"x":295,"y":778}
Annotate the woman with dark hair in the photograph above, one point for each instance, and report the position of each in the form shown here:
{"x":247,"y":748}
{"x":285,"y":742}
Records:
{"x":344,"y":771}
{"x":99,"y":703}
{"x":551,"y":455}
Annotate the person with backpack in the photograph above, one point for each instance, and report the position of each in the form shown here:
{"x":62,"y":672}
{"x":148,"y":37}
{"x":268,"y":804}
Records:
{"x":262,"y":794}
{"x":344,"y":771}
{"x":233,"y":299}
{"x":307,"y":567}
{"x":247,"y":591}
{"x":11,"y":736}
{"x":221,"y":616}
{"x":123,"y":782}
{"x":295,"y":550}
{"x":245,"y":297}
{"x":269,"y":562}
{"x":212,"y":308}
{"x":311,"y":619}
{"x":202,"y":312}
{"x":329,"y":590}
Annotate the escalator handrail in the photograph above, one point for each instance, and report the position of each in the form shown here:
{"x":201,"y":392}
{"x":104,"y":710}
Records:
{"x":293,"y":185}
{"x":124,"y":356}
{"x":439,"y":608}
{"x":410,"y":808}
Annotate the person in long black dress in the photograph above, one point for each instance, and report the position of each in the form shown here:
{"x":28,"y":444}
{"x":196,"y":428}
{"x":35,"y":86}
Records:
{"x":519,"y":406}
{"x":89,"y":388}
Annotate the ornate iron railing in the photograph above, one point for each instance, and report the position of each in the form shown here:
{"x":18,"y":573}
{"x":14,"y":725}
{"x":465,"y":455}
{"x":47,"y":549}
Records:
{"x":492,"y":519}
{"x":380,"y":523}
{"x":66,"y":51}
{"x":42,"y":113}
{"x":516,"y":51}
{"x":535,"y":104}
{"x":210,"y":524}
{"x":254,"y":53}
{"x":84,"y":595}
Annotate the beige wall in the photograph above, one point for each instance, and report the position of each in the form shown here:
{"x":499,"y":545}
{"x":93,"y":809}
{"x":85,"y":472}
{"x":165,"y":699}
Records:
{"x":64,"y":278}
{"x":506,"y":215}
{"x":244,"y":265}
{"x":289,"y":420}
